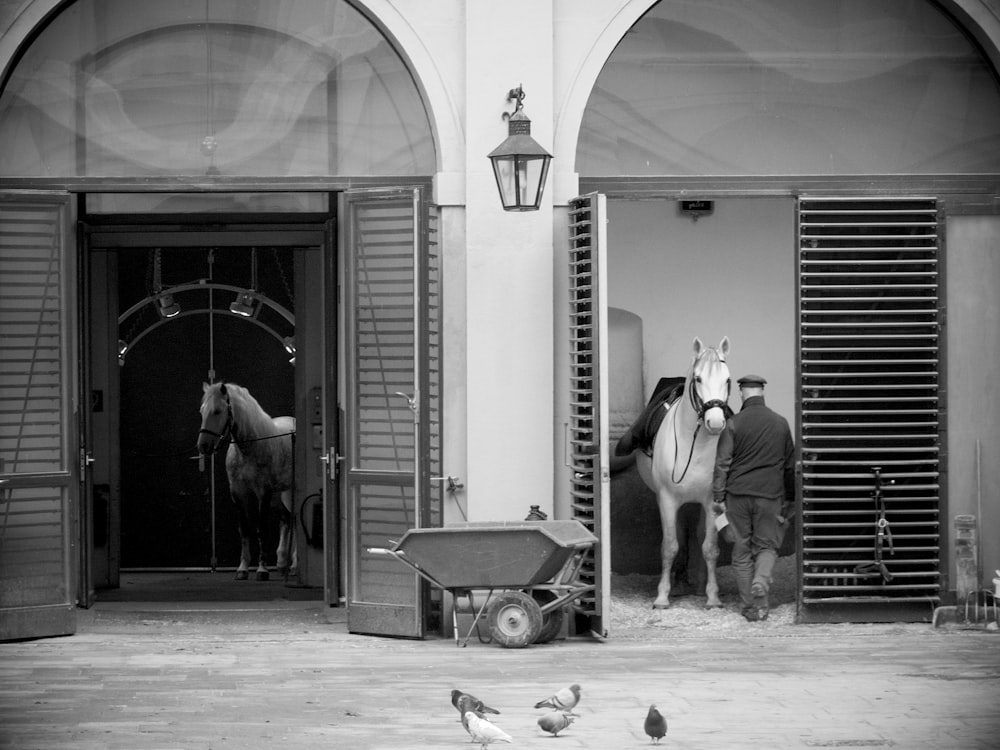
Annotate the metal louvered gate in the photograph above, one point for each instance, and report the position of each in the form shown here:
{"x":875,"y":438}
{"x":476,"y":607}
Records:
{"x":588,"y":414}
{"x":871,"y":396}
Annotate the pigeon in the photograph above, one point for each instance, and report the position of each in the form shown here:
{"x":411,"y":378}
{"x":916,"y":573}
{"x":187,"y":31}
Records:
{"x":484,"y":732}
{"x":465,"y":705}
{"x":655,"y":725}
{"x":555,"y":721}
{"x":473,"y":704}
{"x":564,"y":700}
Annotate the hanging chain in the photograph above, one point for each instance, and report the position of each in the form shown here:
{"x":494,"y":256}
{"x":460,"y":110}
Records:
{"x":284,"y":277}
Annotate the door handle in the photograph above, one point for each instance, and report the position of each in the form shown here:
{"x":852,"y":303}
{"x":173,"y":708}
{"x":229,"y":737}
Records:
{"x":411,"y":401}
{"x":332,"y":460}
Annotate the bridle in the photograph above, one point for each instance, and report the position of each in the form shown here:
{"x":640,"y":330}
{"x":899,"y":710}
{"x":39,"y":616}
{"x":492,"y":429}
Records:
{"x":228,"y":429}
{"x":700,"y":407}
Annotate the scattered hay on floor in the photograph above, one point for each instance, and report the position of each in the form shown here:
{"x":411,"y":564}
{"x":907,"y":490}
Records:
{"x":633,"y":616}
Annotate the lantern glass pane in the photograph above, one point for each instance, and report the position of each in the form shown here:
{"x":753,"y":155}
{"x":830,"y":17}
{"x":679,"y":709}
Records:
{"x":520,"y":180}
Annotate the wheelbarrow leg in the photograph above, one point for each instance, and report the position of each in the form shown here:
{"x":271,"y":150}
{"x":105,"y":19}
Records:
{"x":476,"y":615}
{"x":454,"y":612}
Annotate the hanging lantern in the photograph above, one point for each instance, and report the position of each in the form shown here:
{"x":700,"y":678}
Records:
{"x":520,"y":164}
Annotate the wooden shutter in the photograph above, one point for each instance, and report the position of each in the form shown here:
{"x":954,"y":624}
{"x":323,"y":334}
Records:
{"x":588,"y":352}
{"x":393,"y":394}
{"x":37,"y":435}
{"x":870,"y":395}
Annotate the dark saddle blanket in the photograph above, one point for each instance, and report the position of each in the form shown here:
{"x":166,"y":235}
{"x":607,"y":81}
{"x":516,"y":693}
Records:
{"x":641,"y":434}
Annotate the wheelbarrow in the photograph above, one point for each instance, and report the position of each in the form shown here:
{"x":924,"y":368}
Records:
{"x":530,"y":571}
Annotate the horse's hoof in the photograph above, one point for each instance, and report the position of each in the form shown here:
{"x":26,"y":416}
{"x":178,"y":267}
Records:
{"x":657,"y":605}
{"x":263,"y":575}
{"x":241,"y":575}
{"x":713,"y":605}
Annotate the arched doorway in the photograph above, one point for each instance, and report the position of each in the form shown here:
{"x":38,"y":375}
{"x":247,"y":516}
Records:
{"x":184,"y":119}
{"x":752,"y":108}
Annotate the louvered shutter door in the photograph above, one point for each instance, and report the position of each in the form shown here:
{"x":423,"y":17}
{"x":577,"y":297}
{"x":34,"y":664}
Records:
{"x":588,"y":439}
{"x":870,"y":353}
{"x":392,"y":413}
{"x":37,"y":484}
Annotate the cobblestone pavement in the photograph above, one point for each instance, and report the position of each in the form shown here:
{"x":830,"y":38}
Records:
{"x":289,"y":675}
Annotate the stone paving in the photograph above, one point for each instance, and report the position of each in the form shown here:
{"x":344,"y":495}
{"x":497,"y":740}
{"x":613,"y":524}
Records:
{"x":289,"y":675}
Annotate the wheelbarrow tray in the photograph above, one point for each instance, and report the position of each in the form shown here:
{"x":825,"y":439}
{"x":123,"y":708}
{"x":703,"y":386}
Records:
{"x":492,"y":554}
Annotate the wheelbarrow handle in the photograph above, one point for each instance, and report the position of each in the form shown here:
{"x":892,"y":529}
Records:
{"x":399,"y":555}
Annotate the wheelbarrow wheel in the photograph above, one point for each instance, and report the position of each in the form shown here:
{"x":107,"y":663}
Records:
{"x":515,"y":619}
{"x":551,"y":622}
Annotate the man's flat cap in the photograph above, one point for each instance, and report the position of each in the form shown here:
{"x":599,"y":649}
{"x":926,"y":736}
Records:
{"x":752,"y":381}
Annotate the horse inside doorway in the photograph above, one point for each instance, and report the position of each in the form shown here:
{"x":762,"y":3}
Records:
{"x":681,"y":463}
{"x":259,"y":463}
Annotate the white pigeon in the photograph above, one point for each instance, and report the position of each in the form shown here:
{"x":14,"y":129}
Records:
{"x":563,"y":700}
{"x":484,"y":732}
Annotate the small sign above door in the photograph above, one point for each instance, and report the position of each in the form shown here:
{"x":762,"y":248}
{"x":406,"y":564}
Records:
{"x":696,"y":208}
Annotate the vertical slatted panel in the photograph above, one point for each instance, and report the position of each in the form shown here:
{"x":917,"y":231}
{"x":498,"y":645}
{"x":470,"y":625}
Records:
{"x":31,"y":377}
{"x":383,"y":366}
{"x":588,"y":438}
{"x":433,"y":349}
{"x":393,"y":355}
{"x":870,"y":396}
{"x":36,"y":596}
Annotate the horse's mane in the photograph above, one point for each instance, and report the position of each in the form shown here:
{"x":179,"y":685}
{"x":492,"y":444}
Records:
{"x":253,"y":421}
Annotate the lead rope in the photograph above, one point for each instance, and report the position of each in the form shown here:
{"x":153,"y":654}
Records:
{"x":690,"y":455}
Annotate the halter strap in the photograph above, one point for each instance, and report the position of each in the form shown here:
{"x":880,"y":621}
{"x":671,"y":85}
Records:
{"x":229,"y":428}
{"x":700,"y":407}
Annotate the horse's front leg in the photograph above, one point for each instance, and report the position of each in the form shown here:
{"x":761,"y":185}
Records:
{"x":263,"y":506}
{"x":242,"y":523}
{"x":668,"y":548}
{"x":710,"y":551}
{"x":288,"y":556}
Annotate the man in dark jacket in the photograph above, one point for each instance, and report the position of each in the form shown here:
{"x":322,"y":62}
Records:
{"x":754,"y":485}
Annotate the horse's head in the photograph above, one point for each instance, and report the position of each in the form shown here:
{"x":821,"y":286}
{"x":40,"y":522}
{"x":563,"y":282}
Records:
{"x":216,"y":418}
{"x":709,"y":385}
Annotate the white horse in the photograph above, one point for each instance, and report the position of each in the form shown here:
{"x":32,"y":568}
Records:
{"x":683,"y":460}
{"x":259,"y":463}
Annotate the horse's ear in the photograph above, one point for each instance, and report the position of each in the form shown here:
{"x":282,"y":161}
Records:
{"x":724,"y":346}
{"x":204,"y":387}
{"x":697,"y":346}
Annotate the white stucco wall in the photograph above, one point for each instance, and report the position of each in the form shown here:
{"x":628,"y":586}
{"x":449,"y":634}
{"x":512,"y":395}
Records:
{"x":501,"y":429}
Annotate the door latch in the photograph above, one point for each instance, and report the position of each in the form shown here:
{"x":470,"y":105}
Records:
{"x":453,"y":485}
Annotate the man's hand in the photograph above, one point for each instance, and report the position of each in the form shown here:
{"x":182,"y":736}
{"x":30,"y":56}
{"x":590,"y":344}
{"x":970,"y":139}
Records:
{"x":719,"y":508}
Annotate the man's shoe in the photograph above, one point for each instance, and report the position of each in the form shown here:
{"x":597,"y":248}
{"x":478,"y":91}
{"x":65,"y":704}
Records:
{"x":750,"y":613}
{"x":759,"y":595}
